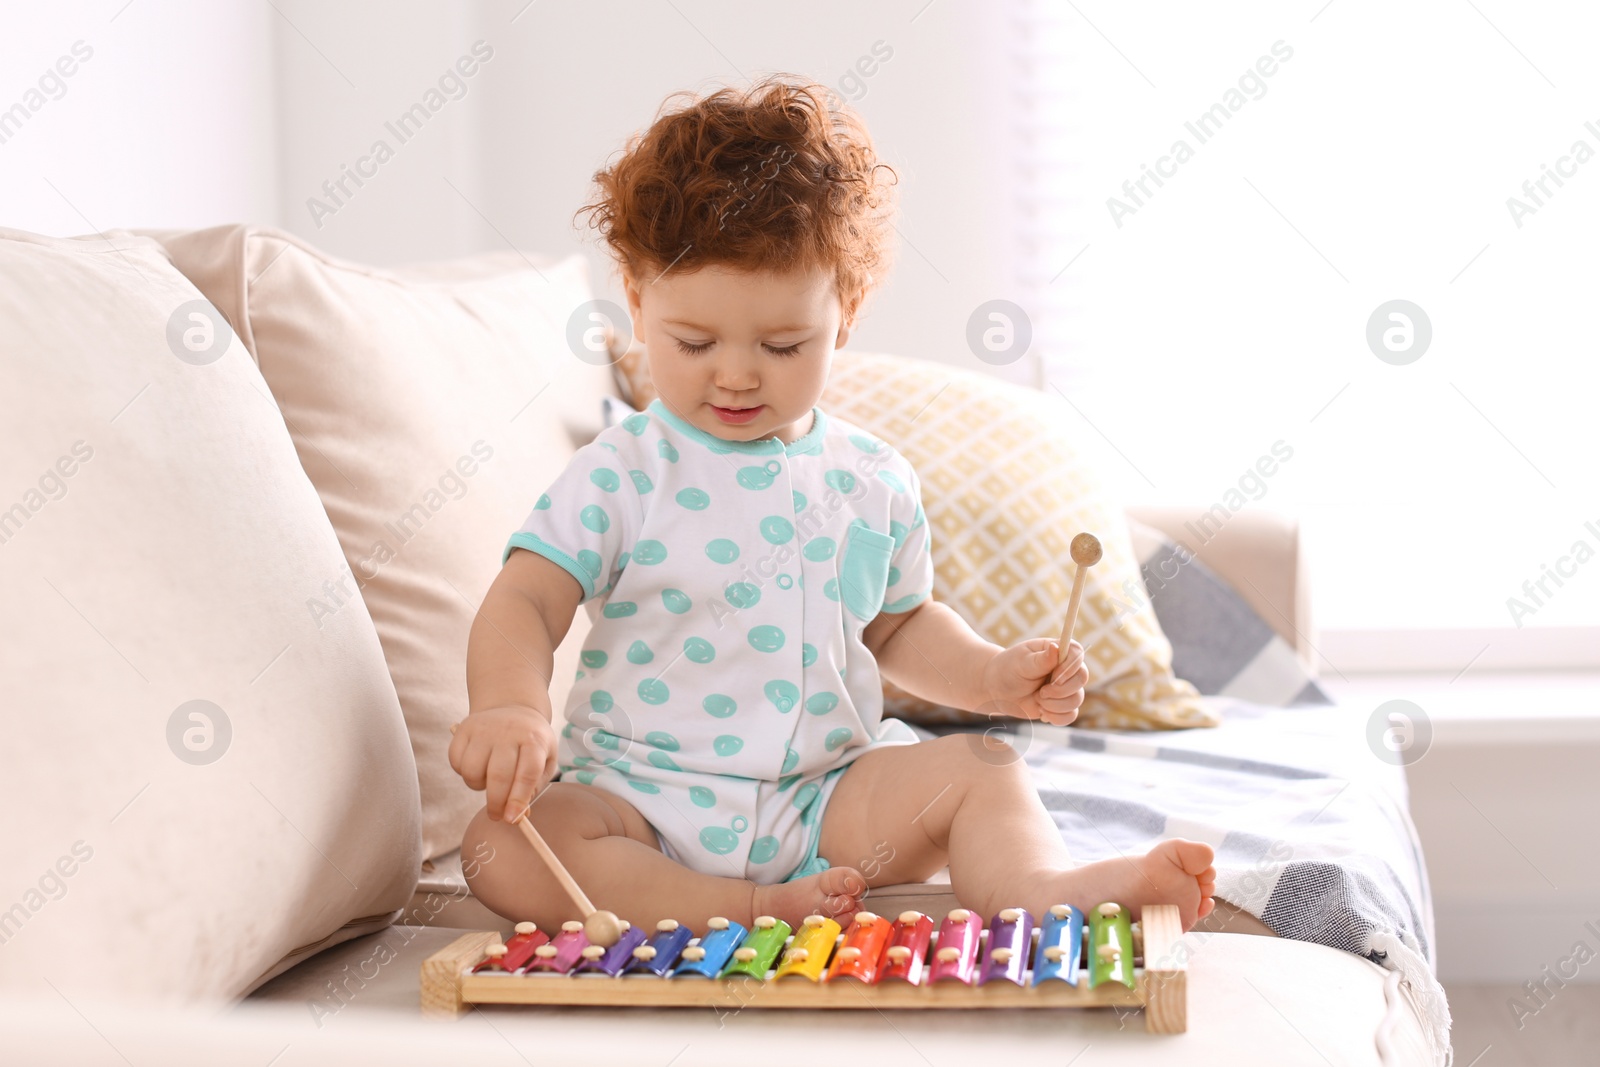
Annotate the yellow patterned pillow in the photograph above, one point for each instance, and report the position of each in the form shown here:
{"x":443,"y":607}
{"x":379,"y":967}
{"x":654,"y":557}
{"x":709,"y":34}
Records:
{"x":1005,"y":492}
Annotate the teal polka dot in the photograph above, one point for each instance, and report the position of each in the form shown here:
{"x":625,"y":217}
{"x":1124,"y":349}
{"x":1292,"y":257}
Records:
{"x":791,"y":760}
{"x":893,"y":481}
{"x":601,"y":701}
{"x":582,"y":761}
{"x":694,"y":499}
{"x":838,"y":737}
{"x":763,"y":849}
{"x":664,"y":761}
{"x":666,"y":451}
{"x":784,"y":695}
{"x":608,"y":446}
{"x":777,"y":530}
{"x":590,"y":561}
{"x":544,"y":502}
{"x":566,"y":731}
{"x":702,"y":797}
{"x":799,"y":501}
{"x":621,"y":766}
{"x":808,"y":654}
{"x":727,"y":745}
{"x":644,"y":787}
{"x":719,"y":839}
{"x":662,"y":739}
{"x":830,"y":589}
{"x":594,"y":518}
{"x":586,"y":777}
{"x":787,"y":783}
{"x":639,"y":652}
{"x":676,"y":601}
{"x":699,"y":650}
{"x":603,"y":739}
{"x":575,"y":677}
{"x":898,"y":531}
{"x":842,"y":480}
{"x":766,"y":638}
{"x":785,"y":581}
{"x":894,"y":576}
{"x":819,"y":549}
{"x":866,"y":444}
{"x":618,"y":609}
{"x":649,"y":552}
{"x":623,"y":562}
{"x":722,"y":550}
{"x":805,"y":795}
{"x":759,"y":477}
{"x":719,"y":705}
{"x":636,"y":423}
{"x":742,"y":594}
{"x":653,"y":691}
{"x":605,"y":478}
{"x":641,"y":482}
{"x":821,"y":703}
{"x":593,"y":658}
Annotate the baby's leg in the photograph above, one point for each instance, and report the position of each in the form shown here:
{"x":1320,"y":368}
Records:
{"x":612,"y":853}
{"x":902,"y":812}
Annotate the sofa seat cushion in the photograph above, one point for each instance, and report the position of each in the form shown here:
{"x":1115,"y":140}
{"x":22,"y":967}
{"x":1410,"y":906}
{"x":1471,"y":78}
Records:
{"x":1252,"y":1001}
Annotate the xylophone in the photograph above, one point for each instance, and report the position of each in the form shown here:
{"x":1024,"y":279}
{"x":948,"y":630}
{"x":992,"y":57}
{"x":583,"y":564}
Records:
{"x":1062,"y":960}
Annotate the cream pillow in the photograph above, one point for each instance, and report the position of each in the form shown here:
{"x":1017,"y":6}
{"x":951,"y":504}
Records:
{"x":201,"y":784}
{"x":428,"y":406}
{"x":1005,"y":493}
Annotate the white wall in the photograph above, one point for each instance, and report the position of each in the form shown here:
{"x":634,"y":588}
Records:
{"x":194,"y":114}
{"x":170,"y":121}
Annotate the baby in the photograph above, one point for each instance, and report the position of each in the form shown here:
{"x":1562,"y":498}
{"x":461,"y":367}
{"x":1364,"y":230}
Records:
{"x":751,"y":564}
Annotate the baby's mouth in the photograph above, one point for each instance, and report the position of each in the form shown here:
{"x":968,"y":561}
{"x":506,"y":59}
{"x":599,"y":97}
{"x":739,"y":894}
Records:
{"x":738,"y":416}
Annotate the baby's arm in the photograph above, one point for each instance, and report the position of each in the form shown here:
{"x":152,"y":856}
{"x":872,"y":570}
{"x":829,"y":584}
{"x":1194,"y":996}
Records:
{"x":507,"y":744}
{"x":932,"y":653}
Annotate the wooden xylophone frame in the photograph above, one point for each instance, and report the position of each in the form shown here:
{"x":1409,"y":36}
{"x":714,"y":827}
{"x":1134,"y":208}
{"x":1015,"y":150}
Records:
{"x":1160,"y":986}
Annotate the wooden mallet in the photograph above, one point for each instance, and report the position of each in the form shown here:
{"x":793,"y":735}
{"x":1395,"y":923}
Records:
{"x":602,"y":928}
{"x":1085,"y":553}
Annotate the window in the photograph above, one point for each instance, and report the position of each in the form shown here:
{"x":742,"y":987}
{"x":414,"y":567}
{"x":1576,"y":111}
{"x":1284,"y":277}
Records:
{"x":1224,"y":206}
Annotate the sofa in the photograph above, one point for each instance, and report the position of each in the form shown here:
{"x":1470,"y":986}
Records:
{"x":249,"y":497}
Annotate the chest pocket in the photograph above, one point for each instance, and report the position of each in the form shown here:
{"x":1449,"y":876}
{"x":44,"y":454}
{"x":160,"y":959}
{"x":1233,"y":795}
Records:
{"x":864,"y":571}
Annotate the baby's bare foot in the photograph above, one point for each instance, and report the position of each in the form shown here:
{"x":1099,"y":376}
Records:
{"x":1174,"y":872}
{"x":834,"y":892}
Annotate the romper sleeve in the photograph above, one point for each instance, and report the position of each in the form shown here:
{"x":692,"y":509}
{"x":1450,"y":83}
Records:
{"x":588,"y":520}
{"x":911,"y":564}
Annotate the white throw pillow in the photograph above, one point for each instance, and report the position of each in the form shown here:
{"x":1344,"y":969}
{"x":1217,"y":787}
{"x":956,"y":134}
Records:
{"x":202,"y":785}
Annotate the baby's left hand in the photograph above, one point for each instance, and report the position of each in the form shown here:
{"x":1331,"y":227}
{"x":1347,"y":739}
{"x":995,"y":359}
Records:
{"x":1020,"y":677}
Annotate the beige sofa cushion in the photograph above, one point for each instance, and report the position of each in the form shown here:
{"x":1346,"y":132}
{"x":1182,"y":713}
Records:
{"x":201,"y":784}
{"x":1253,"y":1002}
{"x":429,"y":407}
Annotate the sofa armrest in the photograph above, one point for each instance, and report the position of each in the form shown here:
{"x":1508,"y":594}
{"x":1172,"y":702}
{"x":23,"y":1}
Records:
{"x":1256,"y":551}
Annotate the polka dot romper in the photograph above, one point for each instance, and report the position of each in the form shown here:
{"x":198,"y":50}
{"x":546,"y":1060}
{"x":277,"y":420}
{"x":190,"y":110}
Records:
{"x":724,"y":685}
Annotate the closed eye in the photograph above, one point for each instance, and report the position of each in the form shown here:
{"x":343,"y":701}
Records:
{"x":694,"y":350}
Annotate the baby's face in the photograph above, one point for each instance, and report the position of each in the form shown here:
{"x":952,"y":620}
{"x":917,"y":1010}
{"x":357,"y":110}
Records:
{"x":720,"y":338}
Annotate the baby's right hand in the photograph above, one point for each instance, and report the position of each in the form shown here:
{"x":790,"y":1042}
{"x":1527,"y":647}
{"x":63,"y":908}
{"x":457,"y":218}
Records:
{"x":510,"y":751}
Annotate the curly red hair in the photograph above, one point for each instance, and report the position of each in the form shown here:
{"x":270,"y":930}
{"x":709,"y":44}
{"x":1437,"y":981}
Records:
{"x":778,"y":176}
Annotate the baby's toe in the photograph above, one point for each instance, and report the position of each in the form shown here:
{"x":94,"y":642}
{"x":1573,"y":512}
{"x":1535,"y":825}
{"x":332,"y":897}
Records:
{"x":1194,"y":857}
